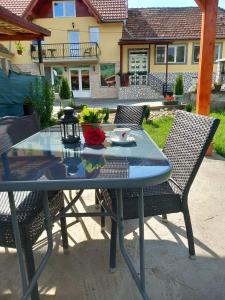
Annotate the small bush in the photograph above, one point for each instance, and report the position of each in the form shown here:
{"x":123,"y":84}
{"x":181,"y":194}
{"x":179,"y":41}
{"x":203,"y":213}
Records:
{"x":42,"y":97}
{"x":189,"y":107}
{"x":179,"y":85}
{"x":60,"y":113}
{"x":146,"y":112}
{"x":64,"y":92}
{"x":105,"y":111}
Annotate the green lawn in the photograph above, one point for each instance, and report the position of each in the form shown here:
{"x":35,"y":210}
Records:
{"x":159,"y":129}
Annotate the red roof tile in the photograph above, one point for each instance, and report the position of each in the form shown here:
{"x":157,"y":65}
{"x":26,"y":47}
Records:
{"x":108,"y":10}
{"x":111,"y":9}
{"x":168,"y":23}
{"x":15,"y":6}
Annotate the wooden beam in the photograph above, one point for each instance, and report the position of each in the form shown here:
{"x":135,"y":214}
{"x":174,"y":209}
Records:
{"x":6,"y":31}
{"x":20,"y":37}
{"x":201,"y":4}
{"x":207,"y":47}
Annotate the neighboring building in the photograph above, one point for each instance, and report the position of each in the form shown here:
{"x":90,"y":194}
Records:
{"x":93,"y":41}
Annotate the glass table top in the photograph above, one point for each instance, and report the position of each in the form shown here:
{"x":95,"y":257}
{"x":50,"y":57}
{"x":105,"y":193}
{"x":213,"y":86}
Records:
{"x":43,"y":162}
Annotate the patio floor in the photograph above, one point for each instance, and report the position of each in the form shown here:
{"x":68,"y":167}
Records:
{"x":83,"y":273}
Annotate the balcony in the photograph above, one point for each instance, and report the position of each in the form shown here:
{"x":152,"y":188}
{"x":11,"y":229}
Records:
{"x":67,"y":52}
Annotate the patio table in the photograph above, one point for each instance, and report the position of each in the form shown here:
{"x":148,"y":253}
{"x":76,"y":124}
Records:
{"x":78,"y":167}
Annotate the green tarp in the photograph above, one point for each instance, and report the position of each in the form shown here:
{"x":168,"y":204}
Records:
{"x":13,"y":89}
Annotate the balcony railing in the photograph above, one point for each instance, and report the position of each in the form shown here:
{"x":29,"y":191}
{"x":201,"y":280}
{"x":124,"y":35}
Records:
{"x":62,"y":51}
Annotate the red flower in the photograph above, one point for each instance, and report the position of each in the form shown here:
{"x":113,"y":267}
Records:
{"x":94,"y":136}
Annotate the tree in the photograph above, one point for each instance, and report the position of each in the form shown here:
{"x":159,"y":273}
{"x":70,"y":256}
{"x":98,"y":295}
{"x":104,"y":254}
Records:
{"x":179,"y":85}
{"x":64,"y":92}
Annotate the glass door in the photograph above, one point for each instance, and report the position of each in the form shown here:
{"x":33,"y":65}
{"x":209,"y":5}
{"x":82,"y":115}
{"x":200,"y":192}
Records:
{"x":74,"y":46}
{"x":80,"y":82}
{"x":138,"y":66}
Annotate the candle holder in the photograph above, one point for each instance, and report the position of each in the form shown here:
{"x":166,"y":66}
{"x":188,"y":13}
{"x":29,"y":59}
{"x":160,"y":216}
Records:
{"x":69,"y":125}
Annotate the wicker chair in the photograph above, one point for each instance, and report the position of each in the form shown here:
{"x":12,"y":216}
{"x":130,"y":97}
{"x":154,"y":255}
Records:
{"x":125,"y":114}
{"x":186,"y":147}
{"x":129,"y":115}
{"x":28,"y":204}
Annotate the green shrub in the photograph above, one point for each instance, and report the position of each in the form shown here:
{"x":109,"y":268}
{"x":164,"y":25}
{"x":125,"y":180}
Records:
{"x":64,"y":92}
{"x":179,"y":85}
{"x":146,"y":112}
{"x":60,"y":113}
{"x":42,"y":95}
{"x":105,"y":111}
{"x":189,"y":107}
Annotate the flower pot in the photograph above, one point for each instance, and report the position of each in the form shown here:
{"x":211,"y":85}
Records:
{"x":86,"y":126}
{"x":19,"y":52}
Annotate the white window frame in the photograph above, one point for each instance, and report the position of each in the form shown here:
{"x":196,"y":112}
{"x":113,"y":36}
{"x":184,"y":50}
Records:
{"x":175,"y":54}
{"x":64,"y":9}
{"x":98,"y":33}
{"x":220,"y":44}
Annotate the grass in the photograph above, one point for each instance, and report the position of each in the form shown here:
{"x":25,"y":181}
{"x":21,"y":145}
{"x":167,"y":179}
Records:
{"x":159,"y":129}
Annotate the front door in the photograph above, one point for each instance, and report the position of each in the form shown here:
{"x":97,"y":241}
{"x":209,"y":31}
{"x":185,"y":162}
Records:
{"x":80,"y":82}
{"x":138,"y":66}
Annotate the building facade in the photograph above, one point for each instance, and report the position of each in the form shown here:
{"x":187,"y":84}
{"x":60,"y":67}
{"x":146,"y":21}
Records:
{"x":107,"y":51}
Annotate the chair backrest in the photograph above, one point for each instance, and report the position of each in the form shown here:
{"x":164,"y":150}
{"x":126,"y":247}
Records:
{"x":187,"y":145}
{"x":129,"y":114}
{"x":15,"y":129}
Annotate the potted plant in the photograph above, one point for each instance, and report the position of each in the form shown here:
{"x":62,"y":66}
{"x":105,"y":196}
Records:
{"x":64,"y":91}
{"x":91,"y":117}
{"x":217,"y":86}
{"x":28,"y":107}
{"x":169,"y":100}
{"x":179,"y":88}
{"x":19,"y":48}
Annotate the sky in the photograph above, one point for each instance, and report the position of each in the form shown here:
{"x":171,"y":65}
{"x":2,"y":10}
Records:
{"x":161,"y":3}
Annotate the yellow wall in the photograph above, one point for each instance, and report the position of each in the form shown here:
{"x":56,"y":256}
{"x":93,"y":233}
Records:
{"x":158,"y":68}
{"x":110,"y":34}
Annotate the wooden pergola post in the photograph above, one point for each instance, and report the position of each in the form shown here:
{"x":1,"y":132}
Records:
{"x":209,"y":10}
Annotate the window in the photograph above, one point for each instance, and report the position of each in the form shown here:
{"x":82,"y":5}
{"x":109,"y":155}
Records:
{"x":63,"y":9}
{"x":196,"y":53}
{"x":176,"y":54}
{"x":108,"y":76}
{"x":94,"y":35}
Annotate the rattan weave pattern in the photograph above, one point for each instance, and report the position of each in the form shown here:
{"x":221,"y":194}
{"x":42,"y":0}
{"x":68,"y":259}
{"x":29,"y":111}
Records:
{"x":129,"y":115}
{"x":185,"y":147}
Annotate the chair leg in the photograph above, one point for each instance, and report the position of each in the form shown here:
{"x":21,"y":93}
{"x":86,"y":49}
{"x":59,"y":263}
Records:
{"x":164,"y":218}
{"x":102,"y":219}
{"x":189,"y":231}
{"x":64,"y":233}
{"x":96,"y":200}
{"x":113,"y":245}
{"x":30,"y":265}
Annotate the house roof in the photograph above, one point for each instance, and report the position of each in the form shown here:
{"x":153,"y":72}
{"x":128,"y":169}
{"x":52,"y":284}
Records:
{"x":106,"y":11}
{"x":13,"y":27}
{"x":111,"y":10}
{"x":181,"y":23}
{"x":15,"y":6}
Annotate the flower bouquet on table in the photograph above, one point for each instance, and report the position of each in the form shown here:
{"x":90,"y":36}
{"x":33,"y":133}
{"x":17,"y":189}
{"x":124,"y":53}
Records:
{"x":94,"y":136}
{"x":90,"y":119}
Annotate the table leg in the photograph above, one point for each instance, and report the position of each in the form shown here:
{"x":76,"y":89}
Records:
{"x":139,"y":280}
{"x":41,"y":267}
{"x":16,"y":232}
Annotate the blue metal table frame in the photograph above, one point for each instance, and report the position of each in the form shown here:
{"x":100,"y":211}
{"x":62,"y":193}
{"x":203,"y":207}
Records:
{"x":147,"y":173}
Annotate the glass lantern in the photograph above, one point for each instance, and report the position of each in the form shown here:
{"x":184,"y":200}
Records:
{"x":69,"y":125}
